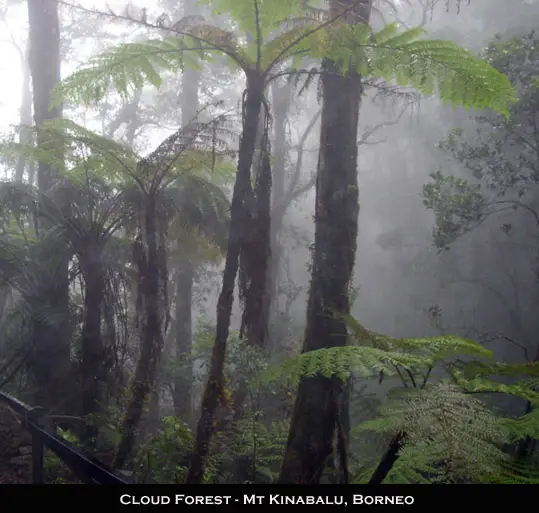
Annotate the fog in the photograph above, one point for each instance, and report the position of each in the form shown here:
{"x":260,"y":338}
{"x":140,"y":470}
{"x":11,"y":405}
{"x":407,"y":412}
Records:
{"x":483,"y":285}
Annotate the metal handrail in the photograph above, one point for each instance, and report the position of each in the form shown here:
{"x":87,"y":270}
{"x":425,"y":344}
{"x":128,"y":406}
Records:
{"x":86,"y":468}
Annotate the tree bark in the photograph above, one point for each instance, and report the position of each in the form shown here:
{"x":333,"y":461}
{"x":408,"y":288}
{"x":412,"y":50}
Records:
{"x":319,"y":402}
{"x":281,"y":102}
{"x":388,"y":460}
{"x":183,"y":382}
{"x":150,"y":276}
{"x":44,"y":61}
{"x":50,"y":363}
{"x":241,"y":196}
{"x":255,"y":255}
{"x":92,"y":341}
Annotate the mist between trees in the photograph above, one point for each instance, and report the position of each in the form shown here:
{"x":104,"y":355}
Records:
{"x":275,"y":242}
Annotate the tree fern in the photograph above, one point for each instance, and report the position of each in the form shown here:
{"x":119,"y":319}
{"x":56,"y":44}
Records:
{"x":482,"y":377}
{"x":450,"y":436}
{"x":203,"y":152}
{"x":163,"y":458}
{"x":515,"y":472}
{"x":252,"y":16}
{"x":126,"y":68}
{"x":370,"y":353}
{"x":436,"y":348}
{"x":431,"y":67}
{"x":342,"y":362}
{"x":523,"y":427}
{"x":260,"y":445}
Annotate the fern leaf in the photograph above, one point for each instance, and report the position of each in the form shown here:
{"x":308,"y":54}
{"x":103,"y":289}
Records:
{"x":523,"y":427}
{"x":253,"y":16}
{"x":430,"y":66}
{"x":436,"y":348}
{"x":459,"y":77}
{"x":523,"y":389}
{"x":126,"y":67}
{"x":485,"y":369}
{"x":342,"y":362}
{"x":450,"y":435}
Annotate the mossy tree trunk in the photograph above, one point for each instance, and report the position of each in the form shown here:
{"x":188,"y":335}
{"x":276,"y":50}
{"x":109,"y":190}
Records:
{"x":150,"y":260}
{"x":49,"y":363}
{"x":281,"y":96}
{"x":320,"y":402}
{"x":185,"y":268}
{"x":93,"y":353}
{"x":239,"y":222}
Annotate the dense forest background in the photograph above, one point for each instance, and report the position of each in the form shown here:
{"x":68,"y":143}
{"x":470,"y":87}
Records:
{"x":284,"y":241}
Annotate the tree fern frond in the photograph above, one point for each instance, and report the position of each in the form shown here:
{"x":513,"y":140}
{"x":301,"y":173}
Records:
{"x":252,"y":16}
{"x":452,"y":72}
{"x":68,"y":145}
{"x":436,"y":348}
{"x":201,"y":206}
{"x":444,"y":347}
{"x":126,"y":67}
{"x":523,"y":427}
{"x":260,"y":442}
{"x":342,"y":362}
{"x":446,"y":429}
{"x":477,"y":369}
{"x":391,"y":36}
{"x":442,"y":67}
{"x":524,"y":389}
{"x":516,"y":472}
{"x":417,"y":464}
{"x":430,"y":66}
{"x":283,"y":45}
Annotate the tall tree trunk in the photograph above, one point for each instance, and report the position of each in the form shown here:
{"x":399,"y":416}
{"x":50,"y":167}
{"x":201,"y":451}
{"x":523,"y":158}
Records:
{"x":44,"y":60}
{"x":92,"y":342}
{"x":241,"y":196}
{"x":151,"y":274}
{"x":50,"y":362}
{"x":281,"y":95}
{"x":255,"y":255}
{"x":320,"y":401}
{"x":255,"y":259}
{"x":183,"y":382}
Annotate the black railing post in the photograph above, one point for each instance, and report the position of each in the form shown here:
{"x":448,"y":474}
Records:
{"x":35,"y":416}
{"x":43,"y":432}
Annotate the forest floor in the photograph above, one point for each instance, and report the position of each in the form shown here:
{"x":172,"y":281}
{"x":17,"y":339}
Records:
{"x":15,"y":450}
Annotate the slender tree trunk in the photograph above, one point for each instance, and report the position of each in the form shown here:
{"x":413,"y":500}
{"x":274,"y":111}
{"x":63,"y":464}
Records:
{"x":44,"y":63}
{"x":92,"y":343}
{"x":255,"y":259}
{"x":319,"y":403}
{"x":241,"y":195}
{"x":50,"y":362}
{"x":281,"y":103}
{"x":255,"y":252}
{"x":388,"y":460}
{"x":183,"y":382}
{"x":150,"y":276}
{"x":255,"y":256}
